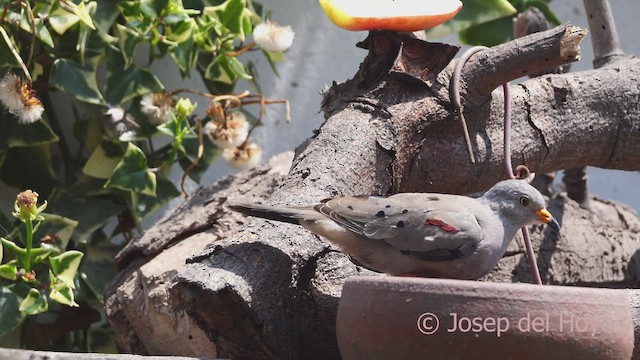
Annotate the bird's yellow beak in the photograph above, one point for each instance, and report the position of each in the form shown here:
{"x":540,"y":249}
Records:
{"x":545,"y":216}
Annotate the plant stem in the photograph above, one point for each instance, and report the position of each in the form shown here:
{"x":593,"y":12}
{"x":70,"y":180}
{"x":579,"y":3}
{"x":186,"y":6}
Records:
{"x":27,"y":261}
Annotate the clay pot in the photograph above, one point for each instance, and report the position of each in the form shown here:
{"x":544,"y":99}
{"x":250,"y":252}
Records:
{"x":413,"y":318}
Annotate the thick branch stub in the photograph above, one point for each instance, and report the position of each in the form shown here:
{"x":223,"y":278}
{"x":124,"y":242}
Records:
{"x":530,"y":54}
{"x":604,"y":36}
{"x":570,"y":43}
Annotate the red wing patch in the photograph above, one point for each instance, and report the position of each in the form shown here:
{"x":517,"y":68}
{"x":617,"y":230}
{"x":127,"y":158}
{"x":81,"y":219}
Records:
{"x":443,"y":225}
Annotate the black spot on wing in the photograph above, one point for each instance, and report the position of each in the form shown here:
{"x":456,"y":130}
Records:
{"x":433,"y":198}
{"x":380,"y":214}
{"x":400,"y":224}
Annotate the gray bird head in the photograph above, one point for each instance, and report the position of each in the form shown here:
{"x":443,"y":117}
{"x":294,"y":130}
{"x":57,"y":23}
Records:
{"x":520,"y":203}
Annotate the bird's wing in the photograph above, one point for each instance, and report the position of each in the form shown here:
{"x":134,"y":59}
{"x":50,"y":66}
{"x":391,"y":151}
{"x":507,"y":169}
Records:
{"x":429,"y":226}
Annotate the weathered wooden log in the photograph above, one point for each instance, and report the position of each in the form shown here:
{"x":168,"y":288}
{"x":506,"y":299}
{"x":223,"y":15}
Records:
{"x":271,"y":290}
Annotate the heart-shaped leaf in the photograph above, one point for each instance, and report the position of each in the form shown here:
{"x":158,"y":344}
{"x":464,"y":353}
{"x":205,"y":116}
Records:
{"x":34,"y":303}
{"x":10,"y":315}
{"x":132,"y":173}
{"x":65,"y":266}
{"x":63,"y":294}
{"x":76,"y":80}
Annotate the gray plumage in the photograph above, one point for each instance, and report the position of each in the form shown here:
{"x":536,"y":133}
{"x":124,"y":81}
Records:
{"x":420,"y":234}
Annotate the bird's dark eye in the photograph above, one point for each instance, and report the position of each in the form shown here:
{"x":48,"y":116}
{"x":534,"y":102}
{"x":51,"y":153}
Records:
{"x":524,"y":201}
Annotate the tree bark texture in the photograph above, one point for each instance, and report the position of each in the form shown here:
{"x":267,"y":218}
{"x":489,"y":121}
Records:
{"x":268,"y":290}
{"x":606,"y":49}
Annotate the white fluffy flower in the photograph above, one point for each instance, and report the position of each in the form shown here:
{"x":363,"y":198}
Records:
{"x":158,"y":107}
{"x":243,"y":157}
{"x":230,"y":133}
{"x":273,"y":37}
{"x":30,"y":114}
{"x":20,"y":99}
{"x":116,"y":113}
{"x":10,"y":93}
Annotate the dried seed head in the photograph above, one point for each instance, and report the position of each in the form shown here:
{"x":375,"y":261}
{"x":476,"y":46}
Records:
{"x":215,"y":111}
{"x":20,"y":99}
{"x":158,"y":107}
{"x":243,"y":157}
{"x":230,"y":133}
{"x":10,"y":92}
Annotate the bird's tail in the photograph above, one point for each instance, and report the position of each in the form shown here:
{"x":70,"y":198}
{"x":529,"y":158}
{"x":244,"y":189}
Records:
{"x":291,"y":215}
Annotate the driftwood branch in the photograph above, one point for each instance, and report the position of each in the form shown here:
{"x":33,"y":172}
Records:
{"x":271,"y":291}
{"x":521,"y":57}
{"x":604,"y":35}
{"x":606,"y":49}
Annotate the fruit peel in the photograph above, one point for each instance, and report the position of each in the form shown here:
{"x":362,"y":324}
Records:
{"x":396,"y":15}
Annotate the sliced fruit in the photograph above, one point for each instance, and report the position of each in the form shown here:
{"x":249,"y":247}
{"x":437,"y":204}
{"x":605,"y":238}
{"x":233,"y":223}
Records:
{"x":397,"y":15}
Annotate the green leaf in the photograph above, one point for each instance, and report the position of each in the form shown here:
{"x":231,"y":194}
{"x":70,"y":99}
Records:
{"x":9,"y":44}
{"x":131,"y":83}
{"x":7,"y":226}
{"x":126,"y":83}
{"x":180,"y":32}
{"x":30,"y":168}
{"x":40,"y":254}
{"x":10,"y":245}
{"x":104,"y":159}
{"x":63,"y":293}
{"x":473,"y":12}
{"x":13,"y":134}
{"x":34,"y":303}
{"x":185,"y":55}
{"x":10,"y":315}
{"x":230,"y":13}
{"x":97,"y":270}
{"x":8,"y":271}
{"x":83,"y":13}
{"x":42,"y":33}
{"x":61,"y":226}
{"x":132,"y":173}
{"x":226,"y":70}
{"x":76,"y":80}
{"x":128,"y":39}
{"x":89,"y":132}
{"x":152,"y":8}
{"x":62,"y":20}
{"x":106,"y":15}
{"x":6,"y":55}
{"x":91,"y":212}
{"x":65,"y":266}
{"x":488,"y":34}
{"x":166,"y":192}
{"x":176,"y":129}
{"x":238,"y":69}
